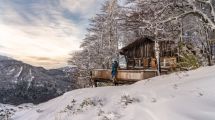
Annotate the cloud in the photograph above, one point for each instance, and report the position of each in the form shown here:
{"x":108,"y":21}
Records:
{"x":51,"y":29}
{"x":45,"y":61}
{"x":83,"y":6}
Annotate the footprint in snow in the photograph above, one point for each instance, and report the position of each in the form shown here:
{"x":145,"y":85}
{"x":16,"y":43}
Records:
{"x":200,"y":94}
{"x":175,"y":86}
{"x":154,"y":100}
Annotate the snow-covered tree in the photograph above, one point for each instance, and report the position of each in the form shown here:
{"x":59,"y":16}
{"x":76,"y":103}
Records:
{"x":165,"y":19}
{"x":159,"y":18}
{"x":110,"y":29}
{"x":100,"y":44}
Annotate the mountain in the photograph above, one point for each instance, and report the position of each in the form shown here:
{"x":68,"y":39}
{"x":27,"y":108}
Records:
{"x":4,"y":58}
{"x":178,"y":96}
{"x":69,"y":69}
{"x":24,"y":83}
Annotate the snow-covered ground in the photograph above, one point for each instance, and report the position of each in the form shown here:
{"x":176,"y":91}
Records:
{"x":6,"y":111}
{"x":178,"y":96}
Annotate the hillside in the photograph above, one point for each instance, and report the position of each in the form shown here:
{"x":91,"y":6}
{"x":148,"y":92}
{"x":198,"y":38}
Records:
{"x":23,"y":83}
{"x":179,"y":96}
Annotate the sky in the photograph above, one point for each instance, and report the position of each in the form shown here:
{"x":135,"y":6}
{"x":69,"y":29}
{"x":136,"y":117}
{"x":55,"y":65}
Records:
{"x":44,"y":32}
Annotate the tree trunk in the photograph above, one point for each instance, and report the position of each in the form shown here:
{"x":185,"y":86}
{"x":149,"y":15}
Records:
{"x":208,"y":49}
{"x":157,"y":55}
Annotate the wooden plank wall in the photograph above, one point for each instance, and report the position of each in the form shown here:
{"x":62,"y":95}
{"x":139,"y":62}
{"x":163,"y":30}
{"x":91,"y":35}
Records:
{"x":143,"y":56}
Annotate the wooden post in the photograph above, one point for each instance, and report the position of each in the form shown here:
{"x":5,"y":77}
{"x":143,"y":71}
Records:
{"x":95,"y":83}
{"x":157,"y":55}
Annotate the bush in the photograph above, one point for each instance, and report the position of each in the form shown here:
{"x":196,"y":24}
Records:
{"x":187,"y":58}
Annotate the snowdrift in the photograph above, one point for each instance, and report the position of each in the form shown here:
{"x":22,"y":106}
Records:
{"x":178,"y":96}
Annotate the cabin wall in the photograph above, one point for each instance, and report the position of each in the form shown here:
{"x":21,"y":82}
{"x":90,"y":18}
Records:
{"x":167,"y":49}
{"x":135,"y":56}
{"x":142,"y":56}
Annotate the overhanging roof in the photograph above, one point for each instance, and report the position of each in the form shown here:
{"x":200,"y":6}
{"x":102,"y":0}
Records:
{"x":136,"y":43}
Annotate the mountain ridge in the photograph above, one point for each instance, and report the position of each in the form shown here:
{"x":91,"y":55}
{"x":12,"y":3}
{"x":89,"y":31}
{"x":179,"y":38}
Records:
{"x":21,"y":82}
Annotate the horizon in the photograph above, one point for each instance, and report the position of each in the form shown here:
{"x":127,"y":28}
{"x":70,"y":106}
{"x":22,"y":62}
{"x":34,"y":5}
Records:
{"x":44,"y":33}
{"x":11,"y":58}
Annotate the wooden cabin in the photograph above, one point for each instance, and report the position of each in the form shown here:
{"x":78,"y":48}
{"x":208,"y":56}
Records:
{"x":140,"y":61}
{"x":141,"y":54}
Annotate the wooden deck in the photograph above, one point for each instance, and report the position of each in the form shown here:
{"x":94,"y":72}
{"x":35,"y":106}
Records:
{"x":123,"y":76}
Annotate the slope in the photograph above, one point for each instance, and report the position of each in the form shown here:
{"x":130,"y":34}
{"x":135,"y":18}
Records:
{"x":178,"y":96}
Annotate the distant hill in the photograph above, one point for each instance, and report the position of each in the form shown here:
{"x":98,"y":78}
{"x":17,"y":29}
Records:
{"x":24,"y":83}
